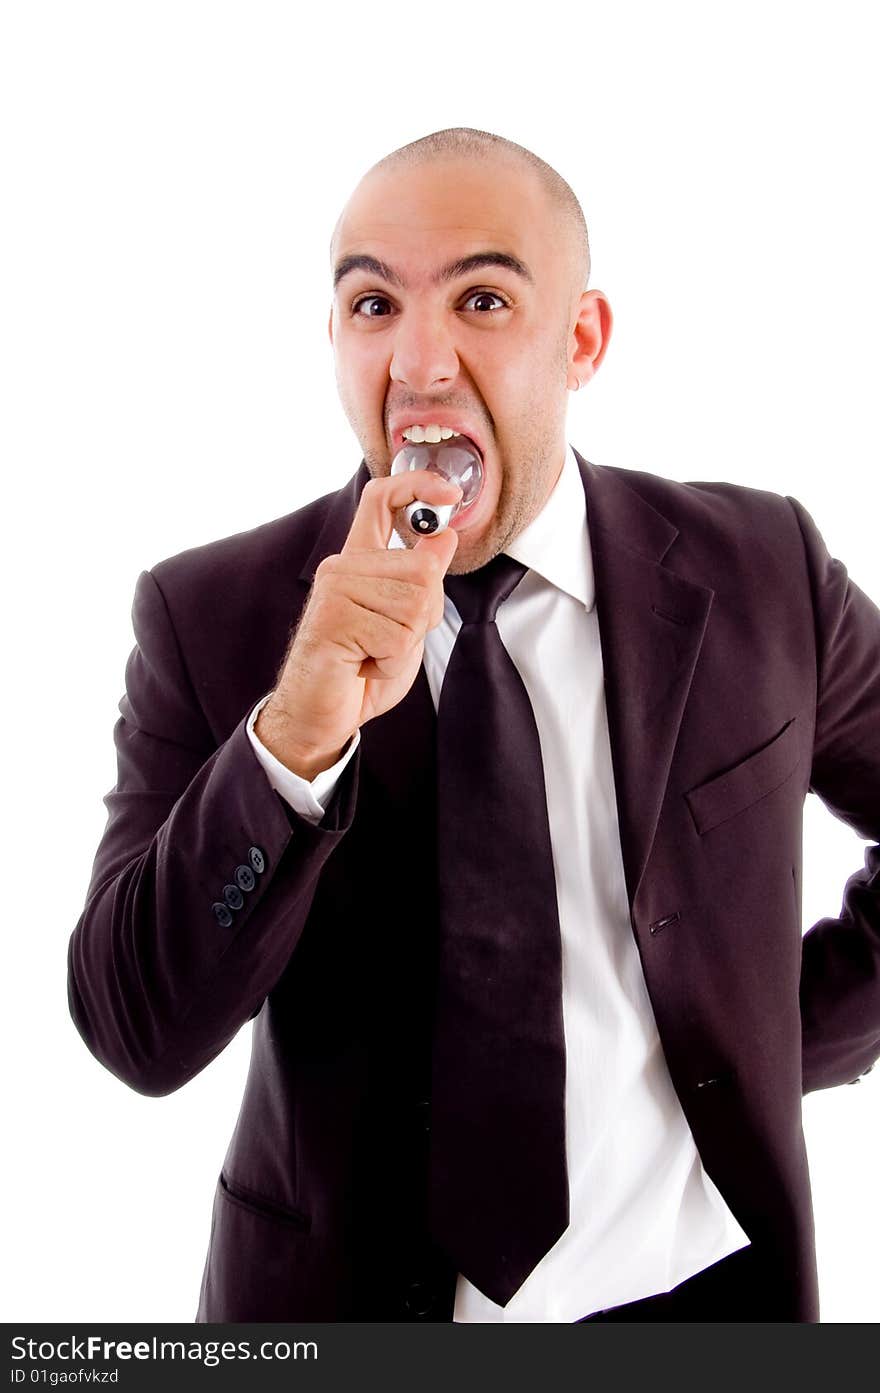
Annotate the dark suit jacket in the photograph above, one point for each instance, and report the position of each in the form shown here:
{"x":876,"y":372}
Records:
{"x":742,"y":669}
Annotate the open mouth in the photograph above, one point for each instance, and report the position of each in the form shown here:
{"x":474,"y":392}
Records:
{"x":418,"y":435}
{"x":434,"y":434}
{"x":442,"y":450}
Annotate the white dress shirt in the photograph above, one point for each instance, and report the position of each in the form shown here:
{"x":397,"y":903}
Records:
{"x":644,"y":1213}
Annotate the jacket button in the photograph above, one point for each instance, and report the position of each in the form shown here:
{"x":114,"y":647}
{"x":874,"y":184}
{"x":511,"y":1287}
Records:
{"x":233,"y":896}
{"x":245,"y":878}
{"x":222,"y":912}
{"x":715,"y":1079}
{"x":423,"y":1113}
{"x":257,"y":859}
{"x":419,"y":1299}
{"x":663,"y":923}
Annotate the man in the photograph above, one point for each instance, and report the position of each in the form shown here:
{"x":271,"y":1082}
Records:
{"x":695,"y":662}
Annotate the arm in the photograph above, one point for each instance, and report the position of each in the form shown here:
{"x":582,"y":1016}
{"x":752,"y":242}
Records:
{"x":840,"y":966}
{"x":158,"y":984}
{"x":168,"y":959}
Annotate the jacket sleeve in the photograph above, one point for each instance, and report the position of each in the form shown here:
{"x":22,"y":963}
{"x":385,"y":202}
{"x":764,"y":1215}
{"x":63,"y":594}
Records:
{"x":202,"y":881}
{"x":840,"y":965}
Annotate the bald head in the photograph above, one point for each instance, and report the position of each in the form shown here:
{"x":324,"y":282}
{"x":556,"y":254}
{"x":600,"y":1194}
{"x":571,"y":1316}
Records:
{"x":565,"y":222}
{"x":459,"y":265}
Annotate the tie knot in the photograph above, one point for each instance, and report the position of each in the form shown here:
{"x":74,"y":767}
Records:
{"x":478,"y":594}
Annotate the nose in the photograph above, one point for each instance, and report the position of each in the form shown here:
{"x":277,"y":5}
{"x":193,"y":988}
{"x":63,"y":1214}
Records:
{"x":424,"y":354}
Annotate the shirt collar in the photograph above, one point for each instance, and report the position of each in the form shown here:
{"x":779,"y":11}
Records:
{"x":556,"y":543}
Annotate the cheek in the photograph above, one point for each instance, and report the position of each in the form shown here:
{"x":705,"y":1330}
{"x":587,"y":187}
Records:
{"x":518,"y":382}
{"x":362,"y":382}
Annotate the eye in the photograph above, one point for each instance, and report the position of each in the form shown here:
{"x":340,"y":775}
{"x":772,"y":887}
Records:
{"x":369,"y":300}
{"x":374,"y":300}
{"x":486,"y":295}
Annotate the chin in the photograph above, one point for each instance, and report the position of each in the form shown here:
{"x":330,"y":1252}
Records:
{"x":470,"y":555}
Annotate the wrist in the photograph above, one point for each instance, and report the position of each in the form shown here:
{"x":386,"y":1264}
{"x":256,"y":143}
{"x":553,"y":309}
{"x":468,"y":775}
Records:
{"x":273,"y":729}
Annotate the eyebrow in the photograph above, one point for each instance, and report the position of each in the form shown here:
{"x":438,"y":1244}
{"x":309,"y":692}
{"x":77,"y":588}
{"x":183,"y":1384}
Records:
{"x":461,"y":267}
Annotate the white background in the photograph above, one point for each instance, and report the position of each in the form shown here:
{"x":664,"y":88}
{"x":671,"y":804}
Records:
{"x":171,"y":174}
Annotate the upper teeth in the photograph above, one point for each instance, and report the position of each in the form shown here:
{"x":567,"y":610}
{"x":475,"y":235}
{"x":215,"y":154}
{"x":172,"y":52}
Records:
{"x":431,"y":434}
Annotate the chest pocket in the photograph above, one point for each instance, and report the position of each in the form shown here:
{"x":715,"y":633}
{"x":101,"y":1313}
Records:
{"x":753,"y":778}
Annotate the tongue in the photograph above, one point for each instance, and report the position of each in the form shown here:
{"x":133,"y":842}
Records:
{"x":457,"y":459}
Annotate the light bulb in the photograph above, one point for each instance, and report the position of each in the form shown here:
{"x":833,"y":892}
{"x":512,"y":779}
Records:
{"x":456,"y":459}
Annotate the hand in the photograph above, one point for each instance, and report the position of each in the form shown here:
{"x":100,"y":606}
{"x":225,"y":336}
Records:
{"x":359,"y":643}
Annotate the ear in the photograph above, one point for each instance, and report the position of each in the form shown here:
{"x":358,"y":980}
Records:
{"x":590,"y":335}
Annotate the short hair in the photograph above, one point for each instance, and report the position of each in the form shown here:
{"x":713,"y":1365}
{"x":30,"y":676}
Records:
{"x":465,"y":141}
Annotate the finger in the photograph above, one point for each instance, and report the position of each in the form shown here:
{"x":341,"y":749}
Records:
{"x":443,"y":545}
{"x":364,"y":635}
{"x":406,"y":602}
{"x":398,"y":583}
{"x":380,"y":498}
{"x":392,"y":563}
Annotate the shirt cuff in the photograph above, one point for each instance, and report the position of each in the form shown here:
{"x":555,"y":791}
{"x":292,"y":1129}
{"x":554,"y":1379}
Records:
{"x":310,"y":800}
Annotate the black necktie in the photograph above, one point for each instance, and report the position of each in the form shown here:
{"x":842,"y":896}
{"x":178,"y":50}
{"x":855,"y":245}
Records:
{"x":498,"y":1197}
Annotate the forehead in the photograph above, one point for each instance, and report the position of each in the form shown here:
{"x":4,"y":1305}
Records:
{"x":412,"y":217}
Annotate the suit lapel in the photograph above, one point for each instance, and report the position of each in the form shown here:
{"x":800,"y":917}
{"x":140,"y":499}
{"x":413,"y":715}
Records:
{"x":337,"y":523}
{"x":651,"y":627}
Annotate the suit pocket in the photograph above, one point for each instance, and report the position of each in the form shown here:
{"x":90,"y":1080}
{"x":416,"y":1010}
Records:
{"x":760,"y":773}
{"x":263,"y":1207}
{"x":262,"y":1266}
